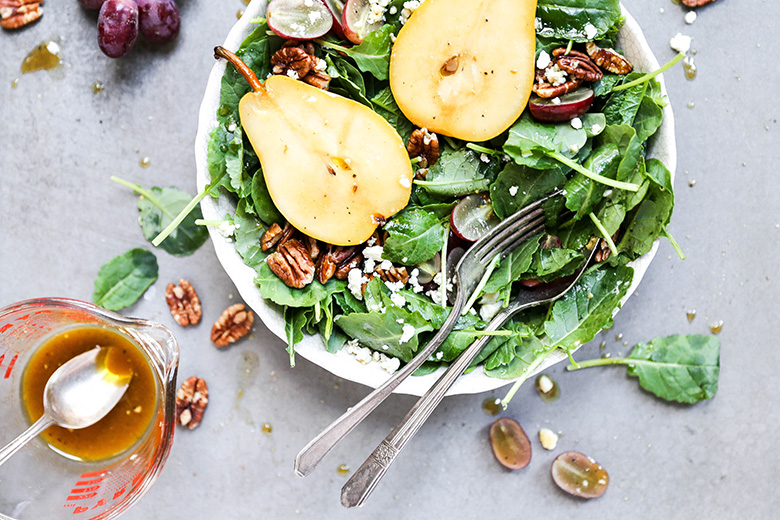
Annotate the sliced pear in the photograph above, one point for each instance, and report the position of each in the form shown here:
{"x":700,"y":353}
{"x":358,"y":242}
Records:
{"x":334,"y":168}
{"x":465,"y":68}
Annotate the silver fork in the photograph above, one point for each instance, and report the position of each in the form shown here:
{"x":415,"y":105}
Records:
{"x":502,"y":239}
{"x":364,"y":480}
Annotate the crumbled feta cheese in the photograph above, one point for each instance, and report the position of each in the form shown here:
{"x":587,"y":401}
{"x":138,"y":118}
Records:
{"x":407,"y":333}
{"x":484,"y":158}
{"x":414,"y":282}
{"x":595,"y":129}
{"x":439,"y":355}
{"x":489,"y":310}
{"x":374,"y":253}
{"x":308,"y":3}
{"x":513,"y":190}
{"x":538,"y":24}
{"x":393,"y":10}
{"x":408,"y":9}
{"x":556,"y":101}
{"x":574,"y":148}
{"x":389,"y":364}
{"x":590,"y":31}
{"x":365,"y":356}
{"x":576,"y":123}
{"x":369,"y":265}
{"x":314,"y":16}
{"x":321,"y":65}
{"x":355,"y":280}
{"x":227,"y":228}
{"x":607,"y":193}
{"x":291,"y":73}
{"x":386,"y":265}
{"x":680,"y":42}
{"x":555,"y":75}
{"x":362,"y":354}
{"x":395,"y":286}
{"x":543,"y":60}
{"x":545,"y":383}
{"x":548,"y":438}
{"x":405,"y":182}
{"x":690,"y":17}
{"x":392,"y":35}
{"x":398,"y":300}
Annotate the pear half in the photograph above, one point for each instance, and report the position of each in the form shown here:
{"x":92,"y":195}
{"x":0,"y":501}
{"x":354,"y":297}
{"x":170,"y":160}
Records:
{"x":465,"y":68}
{"x":334,"y":168}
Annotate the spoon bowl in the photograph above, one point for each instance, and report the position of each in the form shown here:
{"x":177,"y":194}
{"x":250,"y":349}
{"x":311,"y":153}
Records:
{"x":77,"y":395}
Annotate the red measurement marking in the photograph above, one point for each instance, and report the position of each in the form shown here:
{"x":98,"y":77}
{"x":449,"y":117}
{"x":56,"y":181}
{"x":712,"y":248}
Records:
{"x":93,"y":474}
{"x":89,"y":482}
{"x":22,"y":318}
{"x":6,"y":327}
{"x":10,"y":366}
{"x":81,"y":497}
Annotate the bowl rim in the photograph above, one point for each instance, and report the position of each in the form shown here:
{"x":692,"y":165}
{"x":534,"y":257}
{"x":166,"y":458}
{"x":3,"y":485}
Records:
{"x":631,"y":41}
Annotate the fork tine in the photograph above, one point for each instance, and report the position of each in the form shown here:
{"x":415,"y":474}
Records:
{"x":513,"y":242}
{"x":497,"y":244}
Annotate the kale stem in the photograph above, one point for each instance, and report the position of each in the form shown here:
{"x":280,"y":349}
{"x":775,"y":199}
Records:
{"x":452,"y":143}
{"x":650,"y":75}
{"x":485,"y":277}
{"x":482,"y":149}
{"x":204,"y":222}
{"x":415,"y":160}
{"x":444,"y":265}
{"x":143,"y":192}
{"x":331,"y":45}
{"x":569,"y":47}
{"x":571,"y":359}
{"x":589,"y":174}
{"x":674,"y":243}
{"x":512,"y":391}
{"x":600,"y":362}
{"x":604,"y":234}
{"x":181,"y":216}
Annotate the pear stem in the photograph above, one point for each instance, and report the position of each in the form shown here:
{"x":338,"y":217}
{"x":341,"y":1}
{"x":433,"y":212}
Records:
{"x":241,"y":67}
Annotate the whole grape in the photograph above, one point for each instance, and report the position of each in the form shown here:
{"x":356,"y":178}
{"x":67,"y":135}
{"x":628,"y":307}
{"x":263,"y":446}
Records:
{"x":159,"y":20}
{"x":117,"y":27}
{"x":92,"y":4}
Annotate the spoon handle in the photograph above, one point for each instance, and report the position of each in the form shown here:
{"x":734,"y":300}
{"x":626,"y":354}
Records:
{"x":29,"y":434}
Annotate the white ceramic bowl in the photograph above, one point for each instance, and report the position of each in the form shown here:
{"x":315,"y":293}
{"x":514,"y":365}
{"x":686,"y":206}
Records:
{"x":344,"y":365}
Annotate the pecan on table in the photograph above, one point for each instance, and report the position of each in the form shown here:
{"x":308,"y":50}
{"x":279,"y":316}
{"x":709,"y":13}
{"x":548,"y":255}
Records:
{"x":18,"y":13}
{"x":191,"y":400}
{"x":577,"y":64}
{"x":183,"y":302}
{"x":293,"y":264}
{"x":696,"y":3}
{"x":234,"y":323}
{"x":425,"y":145}
{"x":609,"y":59}
{"x":292,"y":61}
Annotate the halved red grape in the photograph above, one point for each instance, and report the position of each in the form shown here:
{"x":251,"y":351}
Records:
{"x":159,"y":20}
{"x":117,"y":27}
{"x":579,"y":475}
{"x":92,"y":4}
{"x":472,"y":217}
{"x":354,"y":20}
{"x":510,"y":443}
{"x":336,"y":8}
{"x":299,"y":19}
{"x":563,"y":108}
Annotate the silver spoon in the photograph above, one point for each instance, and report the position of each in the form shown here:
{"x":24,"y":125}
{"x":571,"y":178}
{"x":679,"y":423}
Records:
{"x":77,"y":395}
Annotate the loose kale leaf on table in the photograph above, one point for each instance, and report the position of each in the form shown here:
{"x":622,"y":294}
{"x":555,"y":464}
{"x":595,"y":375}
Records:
{"x":676,"y":368}
{"x":124,"y":279}
{"x":158,"y":207}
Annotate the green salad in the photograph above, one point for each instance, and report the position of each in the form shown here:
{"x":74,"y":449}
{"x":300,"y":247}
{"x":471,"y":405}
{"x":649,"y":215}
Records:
{"x":610,"y":190}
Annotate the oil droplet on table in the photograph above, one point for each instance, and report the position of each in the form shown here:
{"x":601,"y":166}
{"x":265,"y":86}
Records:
{"x":491,"y":405}
{"x":716,"y":327}
{"x":15,"y":83}
{"x":691,"y":104}
{"x":690,"y":68}
{"x":343,"y":469}
{"x":239,"y":13}
{"x":246,"y":2}
{"x":619,"y":337}
{"x":692,"y":183}
{"x":145,"y":162}
{"x":45,"y":56}
{"x":267,"y":428}
{"x":548,"y":389}
{"x":691,"y":314}
{"x":602,"y":345}
{"x":97,"y":87}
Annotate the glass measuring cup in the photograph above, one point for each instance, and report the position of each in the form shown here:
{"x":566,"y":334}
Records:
{"x":40,"y":483}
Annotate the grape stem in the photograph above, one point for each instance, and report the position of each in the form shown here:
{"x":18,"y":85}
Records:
{"x":241,"y":67}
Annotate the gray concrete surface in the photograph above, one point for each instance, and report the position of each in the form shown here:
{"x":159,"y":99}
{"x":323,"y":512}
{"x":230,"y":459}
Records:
{"x":62,"y":218}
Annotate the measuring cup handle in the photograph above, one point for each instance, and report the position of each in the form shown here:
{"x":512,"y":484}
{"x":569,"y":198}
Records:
{"x":29,"y":434}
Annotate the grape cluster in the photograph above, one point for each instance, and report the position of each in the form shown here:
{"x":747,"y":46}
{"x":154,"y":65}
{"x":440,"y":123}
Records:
{"x":120,"y":21}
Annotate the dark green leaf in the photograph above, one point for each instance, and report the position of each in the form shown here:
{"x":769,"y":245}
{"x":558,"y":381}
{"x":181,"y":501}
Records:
{"x":385,"y":105}
{"x":274,"y":289}
{"x":414,"y":236}
{"x":648,"y":118}
{"x":584,"y":194}
{"x":549,"y":264}
{"x":517,"y":186}
{"x":372,"y":55}
{"x":124,"y":279}
{"x":247,"y":234}
{"x":158,"y":207}
{"x":513,"y":267}
{"x":383,"y":331}
{"x":515,"y":357}
{"x":569,"y":19}
{"x":263,"y":205}
{"x":458,"y":173}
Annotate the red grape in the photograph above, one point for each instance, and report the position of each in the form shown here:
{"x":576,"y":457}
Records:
{"x":92,"y":4}
{"x":159,"y":20}
{"x":117,"y":27}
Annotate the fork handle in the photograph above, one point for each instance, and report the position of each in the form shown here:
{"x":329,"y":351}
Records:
{"x":308,"y":458}
{"x":364,"y":480}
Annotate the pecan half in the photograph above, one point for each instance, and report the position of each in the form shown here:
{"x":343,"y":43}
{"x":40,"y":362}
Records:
{"x":337,"y":261}
{"x":326,"y":267}
{"x":609,"y":59}
{"x":276,"y":236}
{"x":292,"y":61}
{"x":544,"y":89}
{"x":233,"y":324}
{"x":343,"y":270}
{"x":312,"y":246}
{"x":292,"y":263}
{"x":317,"y":78}
{"x":577,"y":64}
{"x":425,"y":145}
{"x":183,"y":302}
{"x":394,"y":274}
{"x":18,"y":13}
{"x":696,"y":3}
{"x":603,"y":252}
{"x":192,"y":397}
